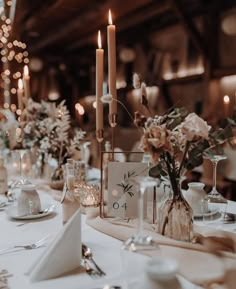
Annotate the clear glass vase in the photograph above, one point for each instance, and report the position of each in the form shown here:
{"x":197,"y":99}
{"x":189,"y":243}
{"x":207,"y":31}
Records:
{"x":175,"y":217}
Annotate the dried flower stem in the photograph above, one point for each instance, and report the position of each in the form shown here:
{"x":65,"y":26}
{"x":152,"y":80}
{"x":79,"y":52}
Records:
{"x":125,"y":109}
{"x":129,"y":114}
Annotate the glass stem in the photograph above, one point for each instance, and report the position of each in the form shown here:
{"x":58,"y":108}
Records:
{"x":21,"y":172}
{"x":140,"y":212}
{"x":214,"y":175}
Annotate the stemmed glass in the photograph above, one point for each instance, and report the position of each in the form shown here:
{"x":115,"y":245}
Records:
{"x":21,"y":181}
{"x":214,"y":204}
{"x":140,"y":241}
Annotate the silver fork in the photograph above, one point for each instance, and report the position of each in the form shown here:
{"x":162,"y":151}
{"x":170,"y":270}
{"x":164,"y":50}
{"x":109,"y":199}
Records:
{"x":90,"y":271}
{"x":31,"y":246}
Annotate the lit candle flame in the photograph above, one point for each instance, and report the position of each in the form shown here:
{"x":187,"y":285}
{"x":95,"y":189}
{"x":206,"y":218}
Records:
{"x":20,"y":83}
{"x":26,"y":70}
{"x":99,"y":40}
{"x":226,"y":99}
{"x":109,"y":17}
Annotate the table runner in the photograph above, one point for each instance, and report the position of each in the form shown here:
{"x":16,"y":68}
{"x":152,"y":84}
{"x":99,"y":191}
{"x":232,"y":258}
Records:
{"x":196,"y":263}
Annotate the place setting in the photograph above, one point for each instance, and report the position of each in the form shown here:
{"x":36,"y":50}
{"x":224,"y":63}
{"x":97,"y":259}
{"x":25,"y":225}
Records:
{"x":28,"y":205}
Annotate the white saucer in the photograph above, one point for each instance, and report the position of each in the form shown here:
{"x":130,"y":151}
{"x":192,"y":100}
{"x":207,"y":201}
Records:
{"x":3,"y":202}
{"x":12,"y":213}
{"x":162,"y":269}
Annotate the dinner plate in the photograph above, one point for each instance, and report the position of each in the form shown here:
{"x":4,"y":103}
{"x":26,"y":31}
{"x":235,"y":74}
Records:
{"x":12,"y":213}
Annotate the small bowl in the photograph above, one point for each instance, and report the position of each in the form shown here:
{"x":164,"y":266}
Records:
{"x":162,"y":269}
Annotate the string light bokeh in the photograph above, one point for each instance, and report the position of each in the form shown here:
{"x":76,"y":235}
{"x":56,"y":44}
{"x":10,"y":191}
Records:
{"x":14,"y":56}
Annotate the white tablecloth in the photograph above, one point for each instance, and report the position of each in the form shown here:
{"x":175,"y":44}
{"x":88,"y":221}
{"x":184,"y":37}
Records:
{"x":125,"y":269}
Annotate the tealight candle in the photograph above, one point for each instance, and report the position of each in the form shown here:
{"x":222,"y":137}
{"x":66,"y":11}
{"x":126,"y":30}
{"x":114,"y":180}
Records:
{"x":89,"y":195}
{"x":89,"y":201}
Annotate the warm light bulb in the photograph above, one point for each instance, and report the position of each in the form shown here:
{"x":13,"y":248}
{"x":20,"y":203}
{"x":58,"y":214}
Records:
{"x":226,"y":99}
{"x":109,"y":17}
{"x":20,"y":83}
{"x":81,"y":110}
{"x":18,"y":111}
{"x":99,"y":40}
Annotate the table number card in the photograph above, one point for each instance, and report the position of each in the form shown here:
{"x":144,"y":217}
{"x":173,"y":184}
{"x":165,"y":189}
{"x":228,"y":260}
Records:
{"x":122,"y":193}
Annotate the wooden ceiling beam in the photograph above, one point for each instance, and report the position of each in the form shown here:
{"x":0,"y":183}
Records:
{"x":189,"y":27}
{"x":25,"y":12}
{"x":127,"y":21}
{"x":64,"y":30}
{"x":34,"y":21}
{"x":91,"y":18}
{"x":223,"y":71}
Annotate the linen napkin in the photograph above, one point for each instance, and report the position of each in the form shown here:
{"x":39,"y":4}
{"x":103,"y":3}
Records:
{"x":197,"y":263}
{"x":63,"y":255}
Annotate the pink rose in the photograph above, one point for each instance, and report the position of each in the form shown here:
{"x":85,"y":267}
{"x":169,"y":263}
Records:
{"x":155,"y":141}
{"x":195,"y":127}
{"x":157,"y":136}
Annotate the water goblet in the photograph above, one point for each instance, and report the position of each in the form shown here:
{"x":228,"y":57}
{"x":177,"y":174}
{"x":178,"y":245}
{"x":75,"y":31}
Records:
{"x":18,"y":156}
{"x":22,"y":180}
{"x":214,"y":204}
{"x":140,"y":241}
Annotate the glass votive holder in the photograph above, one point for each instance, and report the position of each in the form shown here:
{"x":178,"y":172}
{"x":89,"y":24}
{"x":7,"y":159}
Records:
{"x":89,"y":195}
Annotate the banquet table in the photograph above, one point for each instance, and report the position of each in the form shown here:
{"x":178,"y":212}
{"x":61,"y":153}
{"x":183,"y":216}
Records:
{"x":124,"y":269}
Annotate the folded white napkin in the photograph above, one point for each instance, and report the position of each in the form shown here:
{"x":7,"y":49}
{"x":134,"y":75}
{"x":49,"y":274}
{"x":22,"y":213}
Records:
{"x":63,"y":255}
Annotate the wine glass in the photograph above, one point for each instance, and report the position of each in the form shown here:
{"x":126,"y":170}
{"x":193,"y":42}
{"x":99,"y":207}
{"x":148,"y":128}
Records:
{"x":214,"y":204}
{"x":140,"y":241}
{"x":22,"y":180}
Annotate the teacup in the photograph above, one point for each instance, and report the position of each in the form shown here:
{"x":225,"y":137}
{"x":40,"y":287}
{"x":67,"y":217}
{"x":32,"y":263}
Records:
{"x":28,"y":201}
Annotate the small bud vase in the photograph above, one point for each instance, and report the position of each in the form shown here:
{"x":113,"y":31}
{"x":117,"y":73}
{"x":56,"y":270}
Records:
{"x":175,"y":217}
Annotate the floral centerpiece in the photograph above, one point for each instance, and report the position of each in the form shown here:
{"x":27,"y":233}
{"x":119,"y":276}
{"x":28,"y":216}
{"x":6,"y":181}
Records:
{"x":177,"y":142}
{"x":47,"y":128}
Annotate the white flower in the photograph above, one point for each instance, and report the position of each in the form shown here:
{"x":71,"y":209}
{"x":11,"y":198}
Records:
{"x":195,"y":127}
{"x":106,"y":98}
{"x":178,"y":139}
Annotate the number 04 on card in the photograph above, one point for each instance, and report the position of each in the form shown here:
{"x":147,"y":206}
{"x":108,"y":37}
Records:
{"x":122,"y":198}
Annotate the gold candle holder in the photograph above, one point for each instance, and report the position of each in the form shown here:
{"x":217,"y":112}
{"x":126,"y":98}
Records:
{"x":113,"y":119}
{"x":113,"y":123}
{"x":100,"y":135}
